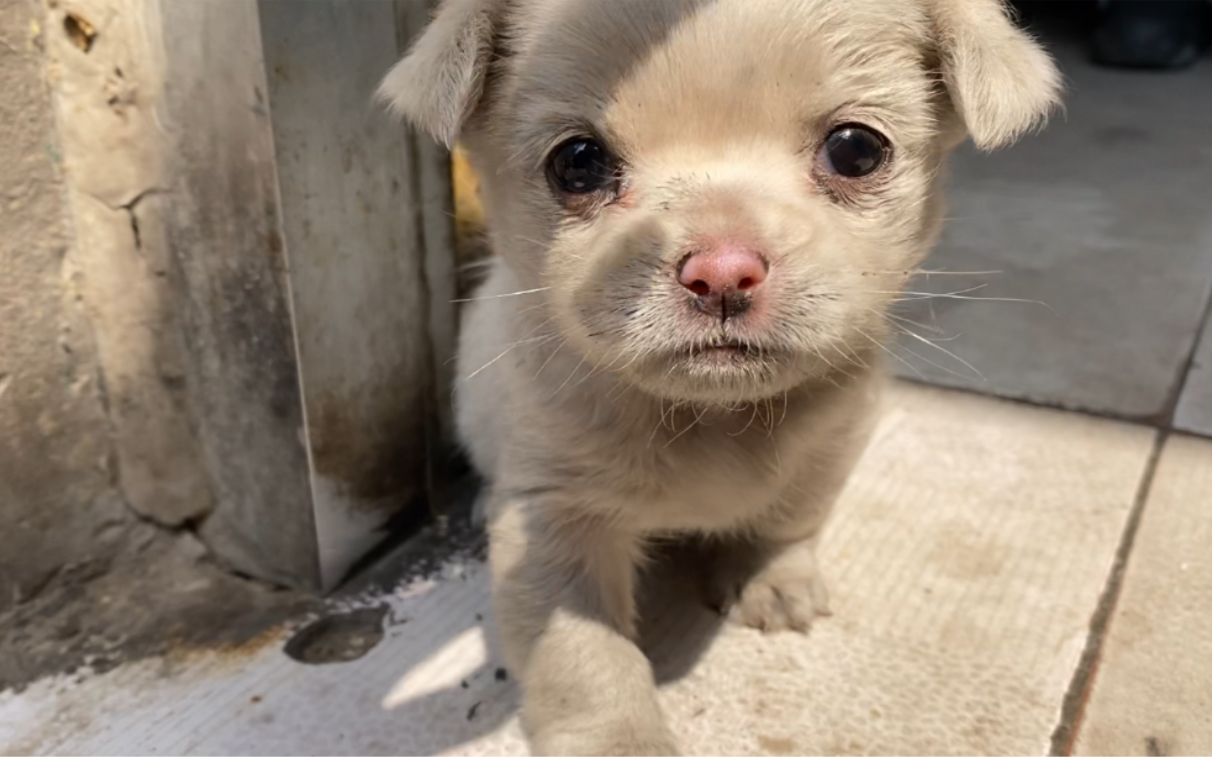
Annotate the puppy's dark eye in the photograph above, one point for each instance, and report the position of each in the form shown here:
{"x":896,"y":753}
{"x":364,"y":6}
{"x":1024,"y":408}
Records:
{"x":581,"y":166}
{"x":853,"y":151}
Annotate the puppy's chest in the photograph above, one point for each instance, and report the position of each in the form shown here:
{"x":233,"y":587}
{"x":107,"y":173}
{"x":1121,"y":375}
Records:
{"x":712,"y":482}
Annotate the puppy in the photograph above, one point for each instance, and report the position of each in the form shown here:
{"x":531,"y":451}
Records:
{"x":701,"y":210}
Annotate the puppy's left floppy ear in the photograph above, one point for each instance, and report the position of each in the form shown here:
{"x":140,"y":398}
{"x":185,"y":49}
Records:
{"x":1001,"y":82}
{"x":439,"y":82}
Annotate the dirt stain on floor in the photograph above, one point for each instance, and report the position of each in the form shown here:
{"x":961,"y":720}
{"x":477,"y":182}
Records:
{"x":338,"y":638}
{"x":163,"y":595}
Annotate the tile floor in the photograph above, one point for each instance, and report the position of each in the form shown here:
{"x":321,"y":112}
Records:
{"x":967,"y":558}
{"x":1100,"y":225}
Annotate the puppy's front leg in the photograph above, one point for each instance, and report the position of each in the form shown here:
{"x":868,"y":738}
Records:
{"x":564,"y":594}
{"x":767,"y":576}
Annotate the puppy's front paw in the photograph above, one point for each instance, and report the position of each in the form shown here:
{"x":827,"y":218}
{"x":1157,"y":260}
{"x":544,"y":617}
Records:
{"x":777,"y":603}
{"x":787,"y":593}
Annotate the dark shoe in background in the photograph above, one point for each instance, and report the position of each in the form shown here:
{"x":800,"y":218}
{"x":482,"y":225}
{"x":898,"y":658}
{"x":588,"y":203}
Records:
{"x":1157,"y":34}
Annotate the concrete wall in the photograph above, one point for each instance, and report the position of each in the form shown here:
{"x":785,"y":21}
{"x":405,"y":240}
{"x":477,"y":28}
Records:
{"x":58,"y":503}
{"x":218,"y":312}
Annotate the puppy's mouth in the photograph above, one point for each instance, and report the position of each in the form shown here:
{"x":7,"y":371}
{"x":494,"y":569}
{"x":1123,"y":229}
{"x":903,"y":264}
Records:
{"x":722,"y":352}
{"x":721,"y":346}
{"x":719,"y":368}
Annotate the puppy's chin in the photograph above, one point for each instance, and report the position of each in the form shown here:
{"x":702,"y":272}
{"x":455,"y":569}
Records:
{"x":721,"y":374}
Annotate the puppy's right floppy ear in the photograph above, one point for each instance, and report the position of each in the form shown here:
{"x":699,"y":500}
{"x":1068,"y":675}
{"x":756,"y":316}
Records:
{"x":1001,"y":82}
{"x":440,"y":80}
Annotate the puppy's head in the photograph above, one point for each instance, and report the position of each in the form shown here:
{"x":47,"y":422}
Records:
{"x":721,"y":196}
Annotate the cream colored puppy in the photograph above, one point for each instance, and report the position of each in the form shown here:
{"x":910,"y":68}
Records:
{"x":701,"y":210}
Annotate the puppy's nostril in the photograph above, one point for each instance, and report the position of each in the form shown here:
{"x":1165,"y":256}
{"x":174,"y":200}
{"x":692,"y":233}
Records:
{"x":699,"y":287}
{"x":745,"y":283}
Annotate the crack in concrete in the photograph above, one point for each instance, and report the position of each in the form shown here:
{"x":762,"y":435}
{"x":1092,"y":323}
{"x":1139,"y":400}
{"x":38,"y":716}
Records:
{"x":1074,"y":704}
{"x":129,"y":207}
{"x":134,"y":227}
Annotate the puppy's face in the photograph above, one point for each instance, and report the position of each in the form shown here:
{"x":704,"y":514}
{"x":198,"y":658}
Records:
{"x":721,"y":197}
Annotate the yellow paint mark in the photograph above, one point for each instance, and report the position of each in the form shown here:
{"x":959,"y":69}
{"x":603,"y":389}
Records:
{"x":469,"y":212}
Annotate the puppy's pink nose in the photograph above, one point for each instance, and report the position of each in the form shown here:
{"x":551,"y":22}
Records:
{"x":726,"y":269}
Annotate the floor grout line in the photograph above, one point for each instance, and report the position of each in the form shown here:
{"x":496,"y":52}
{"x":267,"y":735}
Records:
{"x":1143,"y":421}
{"x":1176,"y":393}
{"x":1165,"y":417}
{"x":1065,"y":735}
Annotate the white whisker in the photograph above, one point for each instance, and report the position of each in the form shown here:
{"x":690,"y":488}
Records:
{"x":750,"y":423}
{"x":549,"y":358}
{"x":948,"y":352}
{"x":927,"y":272}
{"x":893,"y":354}
{"x":503,"y":354}
{"x":499,"y":296}
{"x":576,"y":368}
{"x":957,"y":295}
{"x":698,"y":416}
